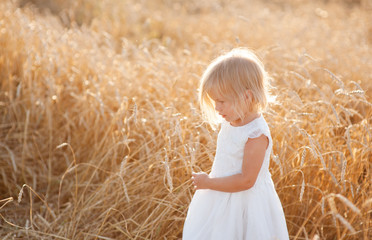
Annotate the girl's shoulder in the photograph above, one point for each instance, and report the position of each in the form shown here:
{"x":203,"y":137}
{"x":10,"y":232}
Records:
{"x":258,"y":128}
{"x":253,"y":129}
{"x":257,"y":123}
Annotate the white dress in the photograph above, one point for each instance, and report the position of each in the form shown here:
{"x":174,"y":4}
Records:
{"x":255,"y":213}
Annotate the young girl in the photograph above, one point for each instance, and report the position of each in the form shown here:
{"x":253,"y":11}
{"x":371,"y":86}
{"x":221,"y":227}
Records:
{"x":237,"y":200}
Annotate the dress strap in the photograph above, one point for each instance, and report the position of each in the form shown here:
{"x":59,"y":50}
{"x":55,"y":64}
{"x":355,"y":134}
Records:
{"x":258,"y":129}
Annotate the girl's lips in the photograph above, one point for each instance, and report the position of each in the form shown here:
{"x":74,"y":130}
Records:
{"x":222,"y":115}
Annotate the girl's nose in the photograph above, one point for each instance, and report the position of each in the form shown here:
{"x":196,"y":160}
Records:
{"x":217,"y":106}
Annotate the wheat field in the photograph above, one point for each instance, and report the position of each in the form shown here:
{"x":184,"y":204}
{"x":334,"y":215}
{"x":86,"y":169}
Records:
{"x":100,"y":126}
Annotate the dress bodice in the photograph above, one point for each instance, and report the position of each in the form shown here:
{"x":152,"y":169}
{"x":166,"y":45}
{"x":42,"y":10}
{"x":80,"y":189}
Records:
{"x":230,"y":148}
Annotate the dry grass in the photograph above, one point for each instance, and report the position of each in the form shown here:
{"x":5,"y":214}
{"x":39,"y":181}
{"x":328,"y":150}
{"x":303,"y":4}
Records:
{"x":100,"y":126}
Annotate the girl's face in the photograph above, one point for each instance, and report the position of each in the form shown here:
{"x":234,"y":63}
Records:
{"x":225,"y":108}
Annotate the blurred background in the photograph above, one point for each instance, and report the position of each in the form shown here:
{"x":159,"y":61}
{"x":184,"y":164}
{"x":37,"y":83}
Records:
{"x":100,"y":125}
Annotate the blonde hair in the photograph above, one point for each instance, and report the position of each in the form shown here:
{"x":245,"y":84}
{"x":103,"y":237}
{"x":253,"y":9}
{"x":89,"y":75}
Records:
{"x":230,"y":76}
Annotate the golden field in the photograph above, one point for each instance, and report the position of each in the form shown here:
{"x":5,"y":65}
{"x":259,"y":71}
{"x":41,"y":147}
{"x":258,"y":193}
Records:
{"x":100,"y":126}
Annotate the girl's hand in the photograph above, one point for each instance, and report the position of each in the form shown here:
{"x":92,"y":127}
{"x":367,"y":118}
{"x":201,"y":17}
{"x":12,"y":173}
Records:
{"x":200,"y":180}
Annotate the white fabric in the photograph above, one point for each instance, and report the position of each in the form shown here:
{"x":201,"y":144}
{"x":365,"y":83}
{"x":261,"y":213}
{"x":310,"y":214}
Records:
{"x":255,"y":213}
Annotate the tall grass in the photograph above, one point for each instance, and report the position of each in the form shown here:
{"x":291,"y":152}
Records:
{"x":100,"y":126}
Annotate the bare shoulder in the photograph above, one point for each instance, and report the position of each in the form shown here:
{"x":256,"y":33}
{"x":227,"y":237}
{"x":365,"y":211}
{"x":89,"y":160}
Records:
{"x":258,"y":143}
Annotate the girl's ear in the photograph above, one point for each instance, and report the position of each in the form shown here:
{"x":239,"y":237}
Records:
{"x":249,"y":95}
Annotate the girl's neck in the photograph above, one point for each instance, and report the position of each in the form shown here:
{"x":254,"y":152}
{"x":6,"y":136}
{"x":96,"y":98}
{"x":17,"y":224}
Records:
{"x":249,"y":117}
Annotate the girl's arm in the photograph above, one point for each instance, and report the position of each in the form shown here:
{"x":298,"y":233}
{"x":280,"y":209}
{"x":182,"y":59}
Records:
{"x":254,"y":153}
